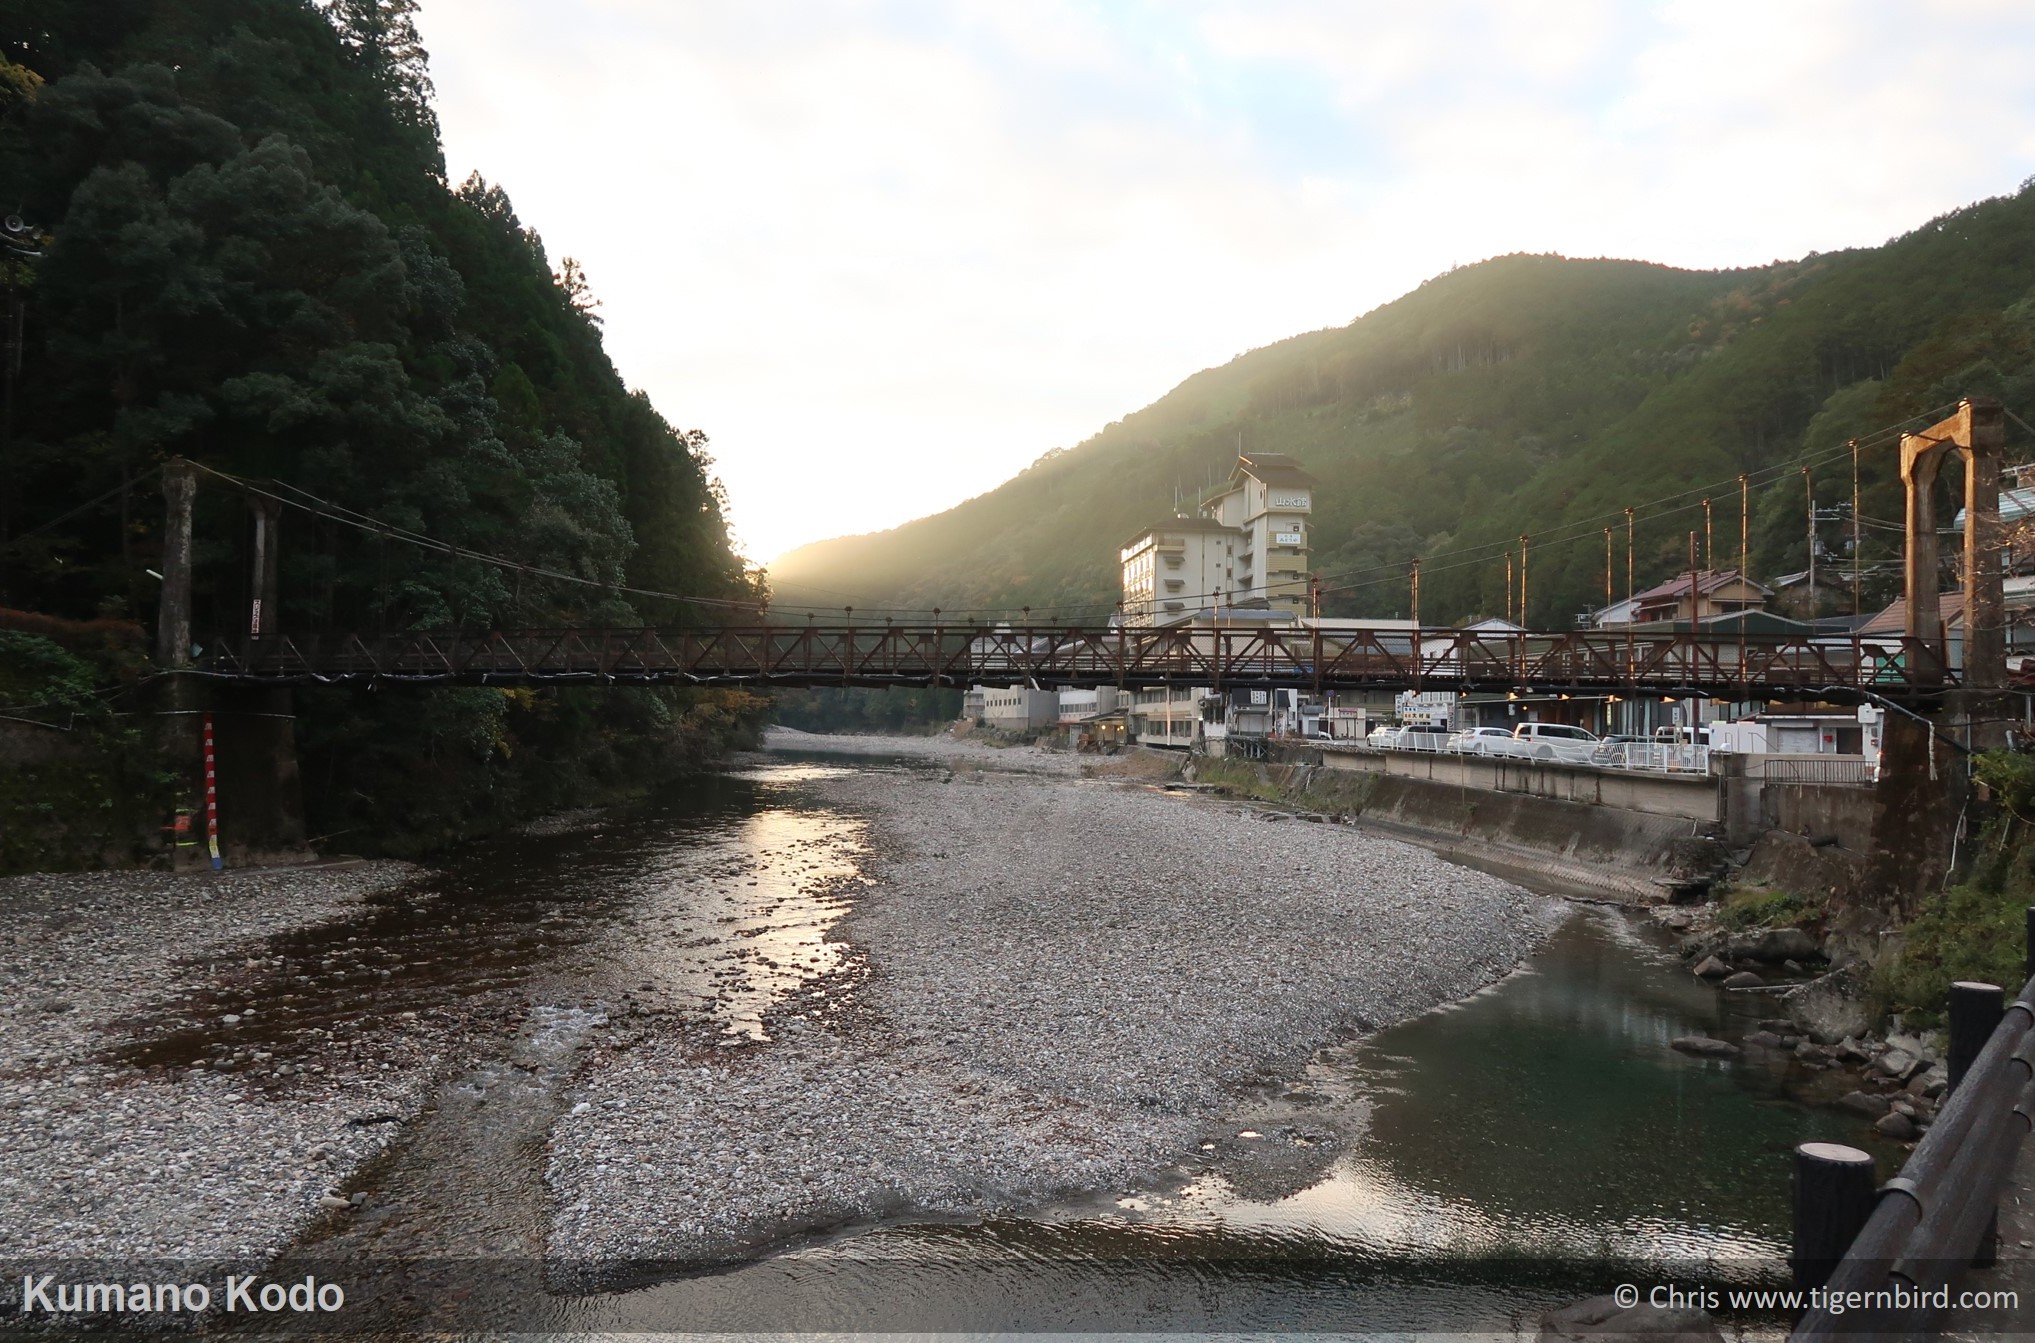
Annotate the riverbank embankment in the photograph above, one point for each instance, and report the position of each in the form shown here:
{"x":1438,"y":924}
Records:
{"x":1060,"y":987}
{"x":229,"y":1154}
{"x":1596,"y":850}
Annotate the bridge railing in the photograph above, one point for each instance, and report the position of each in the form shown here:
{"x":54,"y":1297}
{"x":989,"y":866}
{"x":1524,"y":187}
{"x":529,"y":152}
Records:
{"x":1936,"y":1217}
{"x":956,"y":655}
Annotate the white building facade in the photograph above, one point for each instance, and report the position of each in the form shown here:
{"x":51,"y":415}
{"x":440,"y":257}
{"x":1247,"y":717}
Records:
{"x":1248,"y":550}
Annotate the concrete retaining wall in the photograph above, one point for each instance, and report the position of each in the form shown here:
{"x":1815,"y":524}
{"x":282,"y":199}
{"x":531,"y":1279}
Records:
{"x":1692,"y":797}
{"x":1821,"y":810}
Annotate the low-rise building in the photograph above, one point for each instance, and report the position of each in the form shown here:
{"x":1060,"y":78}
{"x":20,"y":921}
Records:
{"x":1018,"y":709}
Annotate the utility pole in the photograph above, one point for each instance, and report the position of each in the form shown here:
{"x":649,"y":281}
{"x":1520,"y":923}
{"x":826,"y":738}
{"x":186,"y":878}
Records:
{"x":1508,"y":588}
{"x":1857,"y":551}
{"x":1522,"y":579}
{"x":1416,"y":594}
{"x":1709,"y":541}
{"x":1744,"y":559}
{"x":1692,"y":565}
{"x":1809,"y":499}
{"x":1607,"y":568}
{"x":1628,"y":559}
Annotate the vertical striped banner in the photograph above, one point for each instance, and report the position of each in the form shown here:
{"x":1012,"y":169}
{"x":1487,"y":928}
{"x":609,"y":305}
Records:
{"x":211,"y":799}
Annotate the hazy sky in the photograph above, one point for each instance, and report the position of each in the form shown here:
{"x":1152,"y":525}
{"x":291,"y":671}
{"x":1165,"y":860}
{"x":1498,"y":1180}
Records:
{"x":887,"y":253}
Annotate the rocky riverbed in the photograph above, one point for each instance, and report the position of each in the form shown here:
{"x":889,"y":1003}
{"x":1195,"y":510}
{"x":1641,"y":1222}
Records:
{"x":109,"y":1159}
{"x":1058,"y":987}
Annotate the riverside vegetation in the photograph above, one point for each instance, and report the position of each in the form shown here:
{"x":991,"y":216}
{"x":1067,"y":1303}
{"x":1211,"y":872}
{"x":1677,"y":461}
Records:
{"x":241,"y":248}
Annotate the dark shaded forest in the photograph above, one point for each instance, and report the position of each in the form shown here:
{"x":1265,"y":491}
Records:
{"x":1534,"y":395}
{"x":232,"y":239}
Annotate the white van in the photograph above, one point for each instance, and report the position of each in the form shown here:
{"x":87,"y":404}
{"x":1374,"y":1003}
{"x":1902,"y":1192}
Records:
{"x":1553,"y":741}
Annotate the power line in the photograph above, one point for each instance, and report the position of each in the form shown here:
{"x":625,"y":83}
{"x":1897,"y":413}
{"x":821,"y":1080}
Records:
{"x":347,"y":517}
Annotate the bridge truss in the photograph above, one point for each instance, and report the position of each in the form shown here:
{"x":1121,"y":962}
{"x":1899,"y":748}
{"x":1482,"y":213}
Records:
{"x":765,"y":655}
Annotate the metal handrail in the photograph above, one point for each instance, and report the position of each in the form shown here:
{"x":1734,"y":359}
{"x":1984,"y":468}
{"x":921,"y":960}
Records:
{"x":1935,"y":1216}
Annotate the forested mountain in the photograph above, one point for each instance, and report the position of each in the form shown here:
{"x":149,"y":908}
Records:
{"x":237,"y":244}
{"x":1525,"y":394}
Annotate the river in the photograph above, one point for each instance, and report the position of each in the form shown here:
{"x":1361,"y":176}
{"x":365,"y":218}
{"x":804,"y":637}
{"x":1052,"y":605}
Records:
{"x":1533,"y":1144}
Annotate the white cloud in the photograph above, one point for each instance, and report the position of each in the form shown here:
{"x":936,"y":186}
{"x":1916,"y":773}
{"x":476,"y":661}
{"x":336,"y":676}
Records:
{"x":887,"y":252}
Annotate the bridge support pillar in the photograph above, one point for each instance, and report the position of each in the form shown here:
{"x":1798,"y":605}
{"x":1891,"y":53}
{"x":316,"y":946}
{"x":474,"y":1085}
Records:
{"x":1920,"y":794}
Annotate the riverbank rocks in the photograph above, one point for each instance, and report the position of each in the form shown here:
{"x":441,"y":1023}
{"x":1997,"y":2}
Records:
{"x":1744,"y":979}
{"x":1704,"y":1047}
{"x":1712,"y":968}
{"x":1830,"y":1009}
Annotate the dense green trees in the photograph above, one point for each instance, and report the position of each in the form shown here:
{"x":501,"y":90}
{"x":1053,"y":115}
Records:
{"x":249,"y":256}
{"x":1525,"y":394}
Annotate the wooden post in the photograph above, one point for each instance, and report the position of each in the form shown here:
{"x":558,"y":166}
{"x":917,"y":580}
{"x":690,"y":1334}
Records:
{"x":263,"y":617}
{"x":173,"y":619}
{"x":1834,"y":1197}
{"x":1975,"y":1012}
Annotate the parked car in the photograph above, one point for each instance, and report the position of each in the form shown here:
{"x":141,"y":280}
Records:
{"x":1553,"y":741}
{"x":1482,"y":741}
{"x":1423,"y":737}
{"x":1616,"y":749}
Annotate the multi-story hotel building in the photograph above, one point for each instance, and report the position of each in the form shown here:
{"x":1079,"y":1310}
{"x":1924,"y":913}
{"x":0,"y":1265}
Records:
{"x":1247,"y":550}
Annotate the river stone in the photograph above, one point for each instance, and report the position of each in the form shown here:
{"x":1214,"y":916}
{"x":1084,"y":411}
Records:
{"x":1704,"y":1046}
{"x":1864,"y":1103}
{"x":1601,"y":1319}
{"x":1787,"y":945}
{"x":1712,"y":968}
{"x":1765,"y":1040}
{"x":1831,"y":1008}
{"x":1895,"y":1125}
{"x":1745,"y":979}
{"x":1898,"y":1064}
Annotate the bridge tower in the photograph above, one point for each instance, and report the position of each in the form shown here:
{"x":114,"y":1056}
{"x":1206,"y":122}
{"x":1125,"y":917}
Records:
{"x":259,"y":793}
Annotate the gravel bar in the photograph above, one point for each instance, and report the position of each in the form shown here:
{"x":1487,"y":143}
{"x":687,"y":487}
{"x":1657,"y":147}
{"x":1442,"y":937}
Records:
{"x":958,"y":753}
{"x":1061,"y":988}
{"x":108,"y":1160}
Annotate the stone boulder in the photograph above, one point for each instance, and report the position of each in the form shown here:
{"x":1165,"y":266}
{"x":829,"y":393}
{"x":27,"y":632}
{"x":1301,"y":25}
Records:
{"x":1831,"y":1008}
{"x":1744,"y":979}
{"x":1704,"y":1047}
{"x":1712,"y":968}
{"x":1897,"y":1126}
{"x":1865,"y":1103}
{"x":1774,"y":945}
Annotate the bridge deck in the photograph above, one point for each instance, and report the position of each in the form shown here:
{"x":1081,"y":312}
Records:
{"x":765,"y":655}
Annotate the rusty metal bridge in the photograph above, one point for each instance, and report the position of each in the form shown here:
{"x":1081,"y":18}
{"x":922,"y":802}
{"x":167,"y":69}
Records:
{"x":765,"y":655}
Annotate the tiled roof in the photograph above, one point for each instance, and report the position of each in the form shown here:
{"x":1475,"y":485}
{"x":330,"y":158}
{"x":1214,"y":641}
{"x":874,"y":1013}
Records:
{"x":1894,"y":619}
{"x":1710,"y":580}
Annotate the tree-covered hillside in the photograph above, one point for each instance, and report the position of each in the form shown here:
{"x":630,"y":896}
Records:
{"x":1526,"y":394}
{"x":239,"y":246}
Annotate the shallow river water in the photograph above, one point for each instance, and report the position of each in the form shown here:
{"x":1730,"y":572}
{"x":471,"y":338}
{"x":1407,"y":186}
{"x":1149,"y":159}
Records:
{"x":1535,"y":1144}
